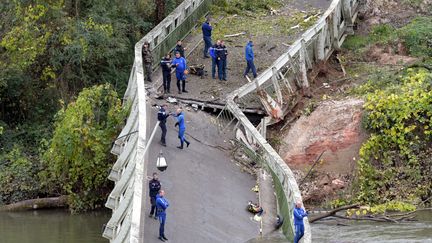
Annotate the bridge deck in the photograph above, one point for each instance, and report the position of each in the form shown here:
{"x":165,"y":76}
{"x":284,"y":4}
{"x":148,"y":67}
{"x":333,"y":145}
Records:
{"x":207,"y":192}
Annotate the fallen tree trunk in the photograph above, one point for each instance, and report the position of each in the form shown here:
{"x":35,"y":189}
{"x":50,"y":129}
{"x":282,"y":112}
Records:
{"x":333,"y":212}
{"x":38,"y":203}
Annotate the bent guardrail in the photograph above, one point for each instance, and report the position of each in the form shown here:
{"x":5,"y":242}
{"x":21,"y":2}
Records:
{"x":288,"y":71}
{"x":129,"y":171}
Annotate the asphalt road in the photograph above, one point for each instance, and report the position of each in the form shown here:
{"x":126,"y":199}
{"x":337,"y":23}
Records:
{"x":207,"y":192}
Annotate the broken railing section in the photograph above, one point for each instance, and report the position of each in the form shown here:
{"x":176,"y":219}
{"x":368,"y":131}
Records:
{"x":129,"y":172}
{"x":278,"y":87}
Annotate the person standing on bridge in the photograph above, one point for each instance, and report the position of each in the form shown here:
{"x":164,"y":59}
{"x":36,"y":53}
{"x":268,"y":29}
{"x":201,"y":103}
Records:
{"x":207,"y":32}
{"x":182,"y":128}
{"x":179,"y":48}
{"x":223,"y":53}
{"x":299,"y":214}
{"x":161,"y":205}
{"x":249,"y":55}
{"x":215,"y":61}
{"x":180,"y":65}
{"x":166,"y":73}
{"x":162,"y":117}
{"x":147,"y":61}
{"x":154,"y":187}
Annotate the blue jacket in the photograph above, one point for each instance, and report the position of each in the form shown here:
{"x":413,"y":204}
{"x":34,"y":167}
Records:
{"x":161,"y":205}
{"x":249,"y":54}
{"x":299,"y":214}
{"x":181,"y":64}
{"x":181,"y":122}
{"x":206,"y":29}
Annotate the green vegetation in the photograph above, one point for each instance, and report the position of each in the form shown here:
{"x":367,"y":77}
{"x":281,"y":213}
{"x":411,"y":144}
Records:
{"x":78,"y":159}
{"x":253,"y":17}
{"x":416,"y":36}
{"x":49,"y":52}
{"x":242,"y":6}
{"x":394,"y":162}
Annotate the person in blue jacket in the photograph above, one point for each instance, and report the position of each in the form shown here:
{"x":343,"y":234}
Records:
{"x":206,"y":30}
{"x":249,"y":55}
{"x":182,"y":128}
{"x":180,"y":65}
{"x":215,"y":62}
{"x":299,"y":214}
{"x":161,"y":206}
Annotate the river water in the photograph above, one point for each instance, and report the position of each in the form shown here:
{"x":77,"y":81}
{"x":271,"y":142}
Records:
{"x":358,"y":232}
{"x":58,"y":226}
{"x":52,"y":226}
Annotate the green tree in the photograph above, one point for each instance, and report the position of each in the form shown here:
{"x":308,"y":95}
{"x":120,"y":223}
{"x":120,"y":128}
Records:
{"x":78,"y":159}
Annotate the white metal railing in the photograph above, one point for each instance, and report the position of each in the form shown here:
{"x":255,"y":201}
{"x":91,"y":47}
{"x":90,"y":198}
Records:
{"x":315,"y":45}
{"x":129,"y":171}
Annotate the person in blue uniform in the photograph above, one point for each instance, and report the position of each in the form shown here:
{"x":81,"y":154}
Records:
{"x":249,"y":56}
{"x":162,"y":117}
{"x":223,"y":53}
{"x":182,"y":128}
{"x":215,"y":62}
{"x":166,"y":73}
{"x":180,"y":65}
{"x":154,"y":187}
{"x":299,"y":214}
{"x":207,"y":32}
{"x":161,"y":206}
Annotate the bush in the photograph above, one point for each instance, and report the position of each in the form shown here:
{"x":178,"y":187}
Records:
{"x":391,"y":165}
{"x":78,"y":159}
{"x":417,"y":36}
{"x":18,"y":177}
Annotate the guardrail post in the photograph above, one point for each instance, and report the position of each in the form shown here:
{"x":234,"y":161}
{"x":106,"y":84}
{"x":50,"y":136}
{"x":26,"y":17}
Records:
{"x":277,"y":86}
{"x":335,"y":29}
{"x":303,"y":69}
{"x":346,"y":11}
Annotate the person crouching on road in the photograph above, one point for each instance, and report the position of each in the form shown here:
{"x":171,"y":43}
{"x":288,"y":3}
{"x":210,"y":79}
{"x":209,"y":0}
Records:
{"x":182,"y":128}
{"x":299,"y":214}
{"x":162,"y":117}
{"x":166,"y":73}
{"x":215,"y":61}
{"x":154,"y":187}
{"x":161,"y":205}
{"x":180,"y":65}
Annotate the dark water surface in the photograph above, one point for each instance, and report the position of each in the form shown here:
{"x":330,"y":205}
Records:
{"x":52,"y":226}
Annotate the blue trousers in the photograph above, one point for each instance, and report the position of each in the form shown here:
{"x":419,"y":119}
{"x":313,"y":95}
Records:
{"x":250,"y":65}
{"x":162,"y":219}
{"x":222,"y":69}
{"x":182,"y":137}
{"x":299,"y":232}
{"x":207,"y":45}
{"x":215,"y":63}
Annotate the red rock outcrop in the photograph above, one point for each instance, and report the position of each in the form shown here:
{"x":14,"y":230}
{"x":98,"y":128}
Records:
{"x":334,"y":127}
